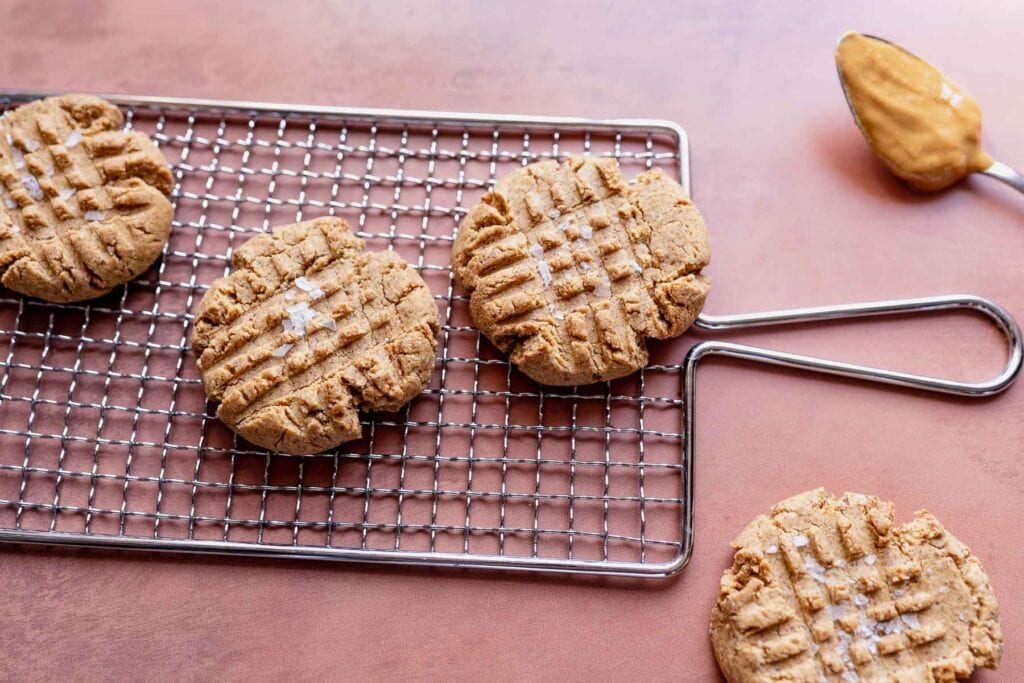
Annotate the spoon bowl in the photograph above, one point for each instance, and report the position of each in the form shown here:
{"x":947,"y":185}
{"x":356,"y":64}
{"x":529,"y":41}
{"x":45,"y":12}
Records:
{"x":996,"y":169}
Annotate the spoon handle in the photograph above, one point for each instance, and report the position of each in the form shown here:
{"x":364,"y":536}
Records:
{"x":1001,"y":171}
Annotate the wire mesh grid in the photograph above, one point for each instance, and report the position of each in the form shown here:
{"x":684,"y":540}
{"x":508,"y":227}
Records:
{"x":106,"y":437}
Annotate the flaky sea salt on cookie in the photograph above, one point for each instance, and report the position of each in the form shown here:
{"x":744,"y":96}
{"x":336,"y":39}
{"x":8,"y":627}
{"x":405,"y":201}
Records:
{"x":826,"y":589}
{"x":571,"y":268}
{"x":82,"y":205}
{"x":308,"y":330}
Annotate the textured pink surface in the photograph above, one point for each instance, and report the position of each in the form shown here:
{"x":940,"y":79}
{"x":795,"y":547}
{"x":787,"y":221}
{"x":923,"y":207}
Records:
{"x":800,"y":214}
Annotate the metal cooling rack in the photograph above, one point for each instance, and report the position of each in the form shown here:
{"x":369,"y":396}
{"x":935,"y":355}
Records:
{"x":106,"y":438}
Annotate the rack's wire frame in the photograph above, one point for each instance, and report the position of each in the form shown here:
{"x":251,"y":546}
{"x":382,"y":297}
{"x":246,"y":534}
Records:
{"x":379,"y":118}
{"x":687,"y":370}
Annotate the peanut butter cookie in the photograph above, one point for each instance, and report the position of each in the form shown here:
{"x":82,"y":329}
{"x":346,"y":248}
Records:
{"x":571,"y":268}
{"x":82,"y":205}
{"x":827,"y":589}
{"x":310,"y":329}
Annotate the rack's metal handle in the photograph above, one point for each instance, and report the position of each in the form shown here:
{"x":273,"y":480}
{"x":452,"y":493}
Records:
{"x":999,"y":317}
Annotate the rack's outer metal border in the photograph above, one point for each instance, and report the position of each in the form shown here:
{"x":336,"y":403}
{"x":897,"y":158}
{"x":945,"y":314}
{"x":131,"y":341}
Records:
{"x":407,"y":558}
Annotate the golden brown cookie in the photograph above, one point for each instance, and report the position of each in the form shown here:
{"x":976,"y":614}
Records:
{"x":82,"y":205}
{"x":827,"y":589}
{"x":310,"y":329}
{"x":571,"y":268}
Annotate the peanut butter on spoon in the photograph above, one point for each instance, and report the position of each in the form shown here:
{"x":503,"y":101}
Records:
{"x":922,"y":125}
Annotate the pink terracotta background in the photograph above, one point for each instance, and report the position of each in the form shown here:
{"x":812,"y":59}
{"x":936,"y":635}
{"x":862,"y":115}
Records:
{"x":800,"y":214}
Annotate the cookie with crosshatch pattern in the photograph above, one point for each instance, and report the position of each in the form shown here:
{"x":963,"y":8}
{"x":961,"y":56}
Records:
{"x":826,"y":589}
{"x":308,"y":330}
{"x":571,"y":268}
{"x":82,"y":201}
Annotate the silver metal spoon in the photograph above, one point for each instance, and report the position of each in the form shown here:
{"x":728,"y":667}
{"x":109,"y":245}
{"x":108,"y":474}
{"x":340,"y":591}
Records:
{"x":997,"y":170}
{"x":1001,"y":171}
